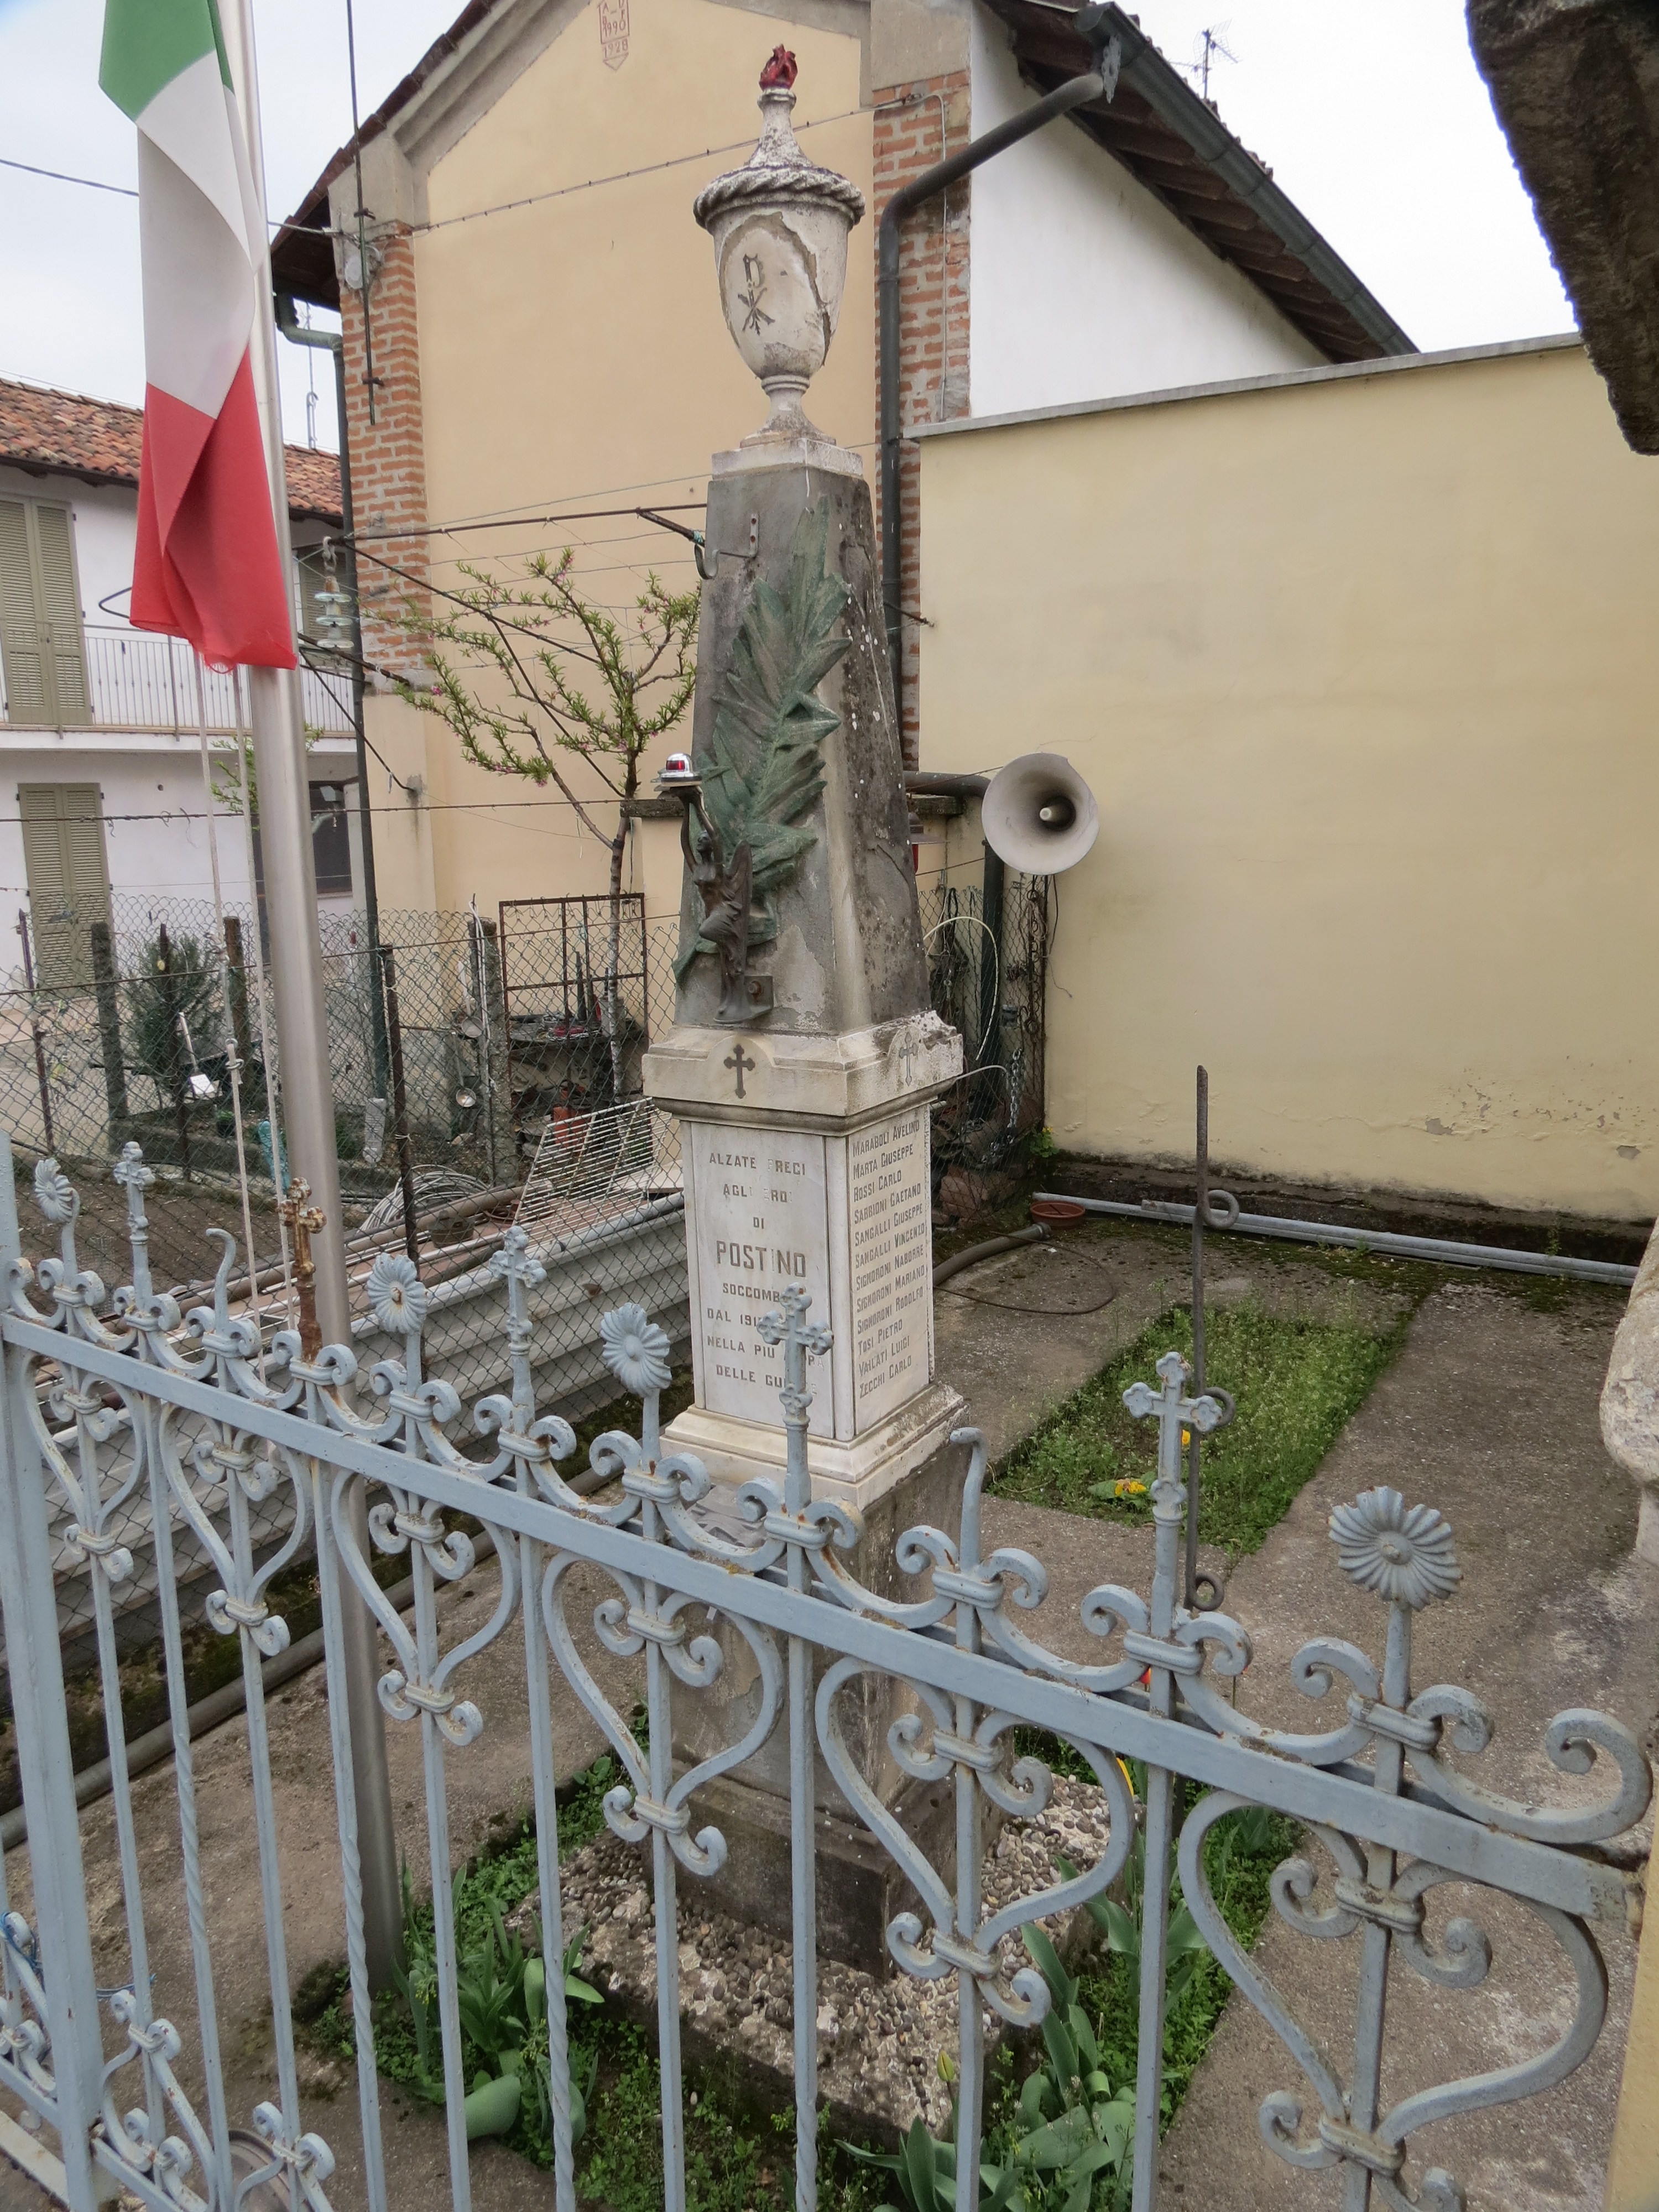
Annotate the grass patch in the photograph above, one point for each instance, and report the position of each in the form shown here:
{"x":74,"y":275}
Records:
{"x":1297,"y":1383}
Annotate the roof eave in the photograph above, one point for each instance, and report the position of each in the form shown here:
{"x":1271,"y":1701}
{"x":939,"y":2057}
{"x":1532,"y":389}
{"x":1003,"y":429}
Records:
{"x":1173,"y":99}
{"x":302,"y":251}
{"x":32,"y":464}
{"x":1043,"y":39}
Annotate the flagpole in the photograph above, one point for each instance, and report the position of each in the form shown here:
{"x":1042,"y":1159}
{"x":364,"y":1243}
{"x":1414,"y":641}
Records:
{"x":296,"y":967}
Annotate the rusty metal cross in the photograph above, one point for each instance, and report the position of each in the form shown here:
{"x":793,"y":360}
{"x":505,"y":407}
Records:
{"x":304,"y":1219}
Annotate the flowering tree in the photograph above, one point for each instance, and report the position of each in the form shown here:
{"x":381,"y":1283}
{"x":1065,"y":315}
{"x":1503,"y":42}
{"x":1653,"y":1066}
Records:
{"x":562,"y":677}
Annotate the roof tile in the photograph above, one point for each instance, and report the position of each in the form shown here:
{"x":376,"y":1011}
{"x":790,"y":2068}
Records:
{"x":48,"y":431}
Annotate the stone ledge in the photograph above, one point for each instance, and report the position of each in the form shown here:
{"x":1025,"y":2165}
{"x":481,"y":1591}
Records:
{"x":857,"y":1473}
{"x":828,"y":1083}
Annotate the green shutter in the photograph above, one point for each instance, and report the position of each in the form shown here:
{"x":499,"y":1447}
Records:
{"x":40,"y":615}
{"x":68,"y":878}
{"x":60,"y":611}
{"x":20,"y":628}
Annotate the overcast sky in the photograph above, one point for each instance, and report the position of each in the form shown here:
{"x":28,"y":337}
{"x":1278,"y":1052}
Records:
{"x":1373,"y":119}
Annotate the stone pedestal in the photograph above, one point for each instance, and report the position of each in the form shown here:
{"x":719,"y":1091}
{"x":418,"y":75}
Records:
{"x":820,"y":1175}
{"x":859,"y":1886}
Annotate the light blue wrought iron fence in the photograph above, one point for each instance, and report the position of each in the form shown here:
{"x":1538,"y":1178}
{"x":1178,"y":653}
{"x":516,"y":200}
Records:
{"x":208,"y":1437}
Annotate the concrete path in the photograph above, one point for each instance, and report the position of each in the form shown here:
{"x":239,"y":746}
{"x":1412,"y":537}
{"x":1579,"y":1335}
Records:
{"x":1491,"y":1414}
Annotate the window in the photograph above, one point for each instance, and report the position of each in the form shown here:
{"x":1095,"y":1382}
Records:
{"x":68,"y":878}
{"x":330,"y":838}
{"x":40,"y":652}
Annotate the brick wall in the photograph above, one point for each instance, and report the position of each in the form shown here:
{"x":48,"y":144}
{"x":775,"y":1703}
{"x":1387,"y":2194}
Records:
{"x":916,"y":125}
{"x":388,"y":457}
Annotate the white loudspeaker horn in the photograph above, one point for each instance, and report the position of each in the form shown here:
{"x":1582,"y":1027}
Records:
{"x":1039,"y":815}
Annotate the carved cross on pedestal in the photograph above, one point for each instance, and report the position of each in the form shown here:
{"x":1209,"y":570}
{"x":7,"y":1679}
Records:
{"x":739,"y":1064}
{"x":304,"y":1219}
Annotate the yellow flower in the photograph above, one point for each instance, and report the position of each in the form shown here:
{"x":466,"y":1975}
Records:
{"x":1129,"y":1489}
{"x":1186,"y":1435}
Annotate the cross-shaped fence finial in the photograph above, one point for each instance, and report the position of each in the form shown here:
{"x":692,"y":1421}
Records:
{"x":1174,"y":1411}
{"x":135,"y":1178}
{"x":799,"y":1337}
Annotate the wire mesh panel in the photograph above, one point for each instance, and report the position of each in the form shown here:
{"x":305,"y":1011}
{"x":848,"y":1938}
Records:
{"x":577,"y":981}
{"x":989,"y":979}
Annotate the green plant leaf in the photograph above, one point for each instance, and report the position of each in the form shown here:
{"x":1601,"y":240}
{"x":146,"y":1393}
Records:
{"x":916,"y":2169}
{"x":1060,"y":2142}
{"x":1036,"y":2095}
{"x":1062,"y":2052}
{"x":1049,"y":1963}
{"x":1115,"y":2124}
{"x":1122,"y":1934}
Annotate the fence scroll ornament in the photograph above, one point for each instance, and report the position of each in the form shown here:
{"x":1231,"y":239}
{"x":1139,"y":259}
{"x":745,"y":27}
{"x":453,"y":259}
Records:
{"x":123,"y":1398}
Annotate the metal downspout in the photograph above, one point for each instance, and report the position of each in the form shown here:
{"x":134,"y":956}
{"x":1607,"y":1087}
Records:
{"x":1101,"y":82}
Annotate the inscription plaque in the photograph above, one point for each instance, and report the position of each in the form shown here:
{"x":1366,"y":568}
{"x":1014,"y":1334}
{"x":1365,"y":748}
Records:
{"x":761,"y":1222}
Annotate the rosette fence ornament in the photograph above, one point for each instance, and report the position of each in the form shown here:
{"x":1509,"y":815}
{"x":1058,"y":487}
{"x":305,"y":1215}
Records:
{"x":146,"y":1443}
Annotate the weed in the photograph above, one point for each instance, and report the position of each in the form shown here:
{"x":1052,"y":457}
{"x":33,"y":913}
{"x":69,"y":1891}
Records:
{"x":728,"y":2167}
{"x":1298,"y":1382}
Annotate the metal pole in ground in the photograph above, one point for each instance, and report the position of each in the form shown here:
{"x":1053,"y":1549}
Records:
{"x":394,"y":1030}
{"x":1195,"y":1441}
{"x":301,"y":1028}
{"x":34,"y":1026}
{"x":109,"y":1027}
{"x":175,"y":1059}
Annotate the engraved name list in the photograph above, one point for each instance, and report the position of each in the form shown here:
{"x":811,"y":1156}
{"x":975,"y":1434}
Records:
{"x":890,"y":1198}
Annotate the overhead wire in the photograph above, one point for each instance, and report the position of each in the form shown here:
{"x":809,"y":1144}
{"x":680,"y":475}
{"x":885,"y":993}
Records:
{"x":622,"y":176}
{"x":63,"y":177}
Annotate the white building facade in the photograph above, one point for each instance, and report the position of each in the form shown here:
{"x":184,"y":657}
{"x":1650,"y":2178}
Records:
{"x":103,"y":813}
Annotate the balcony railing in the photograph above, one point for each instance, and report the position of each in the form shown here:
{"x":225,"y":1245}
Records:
{"x":134,"y":681}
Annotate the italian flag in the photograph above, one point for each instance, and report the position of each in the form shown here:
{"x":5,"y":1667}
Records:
{"x":206,"y":567}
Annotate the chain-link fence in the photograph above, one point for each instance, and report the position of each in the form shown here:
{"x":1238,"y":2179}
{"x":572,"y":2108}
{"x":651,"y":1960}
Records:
{"x":465,"y":1050}
{"x":485,"y":1070}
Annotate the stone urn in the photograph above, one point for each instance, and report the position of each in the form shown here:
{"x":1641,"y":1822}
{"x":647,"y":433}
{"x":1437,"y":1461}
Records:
{"x":779,"y":226}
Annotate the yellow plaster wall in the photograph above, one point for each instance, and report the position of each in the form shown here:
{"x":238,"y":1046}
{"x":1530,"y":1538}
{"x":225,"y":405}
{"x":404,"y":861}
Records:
{"x":1364,"y":674}
{"x":573,"y":353}
{"x":405,"y":877}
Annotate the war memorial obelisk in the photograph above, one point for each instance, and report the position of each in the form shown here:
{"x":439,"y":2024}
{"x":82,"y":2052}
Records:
{"x":805,"y":1054}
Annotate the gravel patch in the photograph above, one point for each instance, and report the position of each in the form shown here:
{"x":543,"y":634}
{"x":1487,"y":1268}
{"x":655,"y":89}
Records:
{"x":879,"y":2040}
